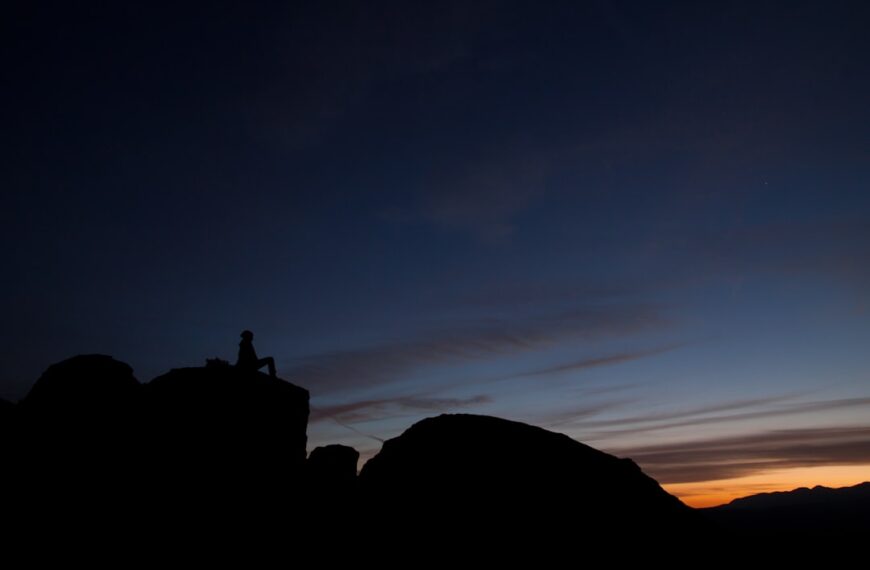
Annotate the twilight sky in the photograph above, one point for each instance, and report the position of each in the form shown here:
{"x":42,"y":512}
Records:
{"x":644,"y":224}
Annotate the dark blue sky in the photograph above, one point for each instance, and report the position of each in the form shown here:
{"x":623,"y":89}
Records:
{"x":594,"y":216}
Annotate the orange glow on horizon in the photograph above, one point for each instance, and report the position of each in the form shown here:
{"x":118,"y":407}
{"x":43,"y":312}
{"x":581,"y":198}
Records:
{"x":712,"y":493}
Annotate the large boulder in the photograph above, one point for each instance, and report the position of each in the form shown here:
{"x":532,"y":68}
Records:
{"x":455,"y":475}
{"x":8,"y":417}
{"x":83,"y":386}
{"x":76,"y":436}
{"x":7,"y":412}
{"x":333,"y":466}
{"x":220,"y":434}
{"x":332,"y":485}
{"x":198,"y":441}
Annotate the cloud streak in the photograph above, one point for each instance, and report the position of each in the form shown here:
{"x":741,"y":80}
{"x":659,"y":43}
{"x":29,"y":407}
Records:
{"x":595,"y":362}
{"x":387,"y":408}
{"x":730,"y":457}
{"x":699,"y":416}
{"x":364,"y":410}
{"x":557,"y":419}
{"x":388,"y":362}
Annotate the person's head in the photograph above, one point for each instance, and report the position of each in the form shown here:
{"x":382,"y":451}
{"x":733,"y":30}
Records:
{"x":247,"y":335}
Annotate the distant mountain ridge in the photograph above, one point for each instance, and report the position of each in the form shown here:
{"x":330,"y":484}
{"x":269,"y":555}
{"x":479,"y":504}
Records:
{"x":801,"y":496}
{"x":803,"y":511}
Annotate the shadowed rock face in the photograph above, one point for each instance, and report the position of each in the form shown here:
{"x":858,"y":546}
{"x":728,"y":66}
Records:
{"x":7,"y":411}
{"x":90,"y":436}
{"x":331,"y":482}
{"x":76,"y":433}
{"x":8,"y":426}
{"x":229,"y":416}
{"x":223,"y":443}
{"x":333,"y":466}
{"x":83,"y":386}
{"x":465,"y":471}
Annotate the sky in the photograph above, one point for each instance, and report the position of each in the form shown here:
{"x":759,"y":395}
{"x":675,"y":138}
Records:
{"x":643,"y":224}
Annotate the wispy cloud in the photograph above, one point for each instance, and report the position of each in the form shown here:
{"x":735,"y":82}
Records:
{"x":729,"y":457}
{"x":667,"y":417}
{"x":597,"y":361}
{"x":364,"y":410}
{"x":562,"y":417}
{"x":392,"y":361}
{"x":378,"y":410}
{"x":509,"y":296}
{"x":708,"y":415}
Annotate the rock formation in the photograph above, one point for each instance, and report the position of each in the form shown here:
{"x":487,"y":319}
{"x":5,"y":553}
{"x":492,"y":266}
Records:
{"x":458,"y":473}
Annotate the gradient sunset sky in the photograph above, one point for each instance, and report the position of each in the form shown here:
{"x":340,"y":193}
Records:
{"x":643,"y":224}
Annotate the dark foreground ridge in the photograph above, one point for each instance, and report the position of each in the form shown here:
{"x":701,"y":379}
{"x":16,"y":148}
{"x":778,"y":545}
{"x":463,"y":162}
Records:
{"x":220,"y":451}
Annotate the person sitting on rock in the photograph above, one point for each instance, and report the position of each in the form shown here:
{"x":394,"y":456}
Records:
{"x":248,"y":356}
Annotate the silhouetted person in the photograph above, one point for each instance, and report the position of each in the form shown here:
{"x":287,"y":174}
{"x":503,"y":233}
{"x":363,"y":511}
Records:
{"x":248,"y":356}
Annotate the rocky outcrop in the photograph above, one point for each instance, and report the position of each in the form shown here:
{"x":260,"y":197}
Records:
{"x":223,"y":449}
{"x":333,"y":465}
{"x":7,"y":412}
{"x":90,"y":436}
{"x":76,"y":435}
{"x":8,"y":416}
{"x":332,"y":486}
{"x":221,"y":429}
{"x":83,"y":388}
{"x":456,"y":473}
